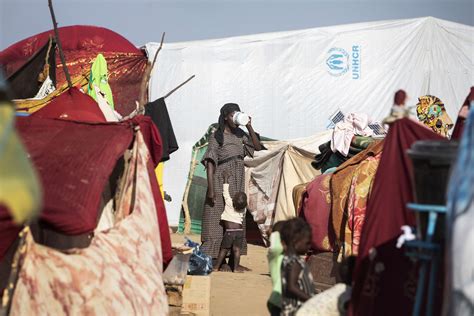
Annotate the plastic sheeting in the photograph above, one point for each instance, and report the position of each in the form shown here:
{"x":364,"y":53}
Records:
{"x":291,"y":82}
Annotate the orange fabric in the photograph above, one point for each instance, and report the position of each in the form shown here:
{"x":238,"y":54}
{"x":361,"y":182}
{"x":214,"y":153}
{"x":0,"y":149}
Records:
{"x":341,"y":184}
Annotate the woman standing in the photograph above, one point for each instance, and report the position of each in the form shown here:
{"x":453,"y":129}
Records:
{"x":228,"y":146}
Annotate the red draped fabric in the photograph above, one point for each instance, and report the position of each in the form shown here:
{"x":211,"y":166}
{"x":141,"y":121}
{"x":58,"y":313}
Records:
{"x":72,"y":105}
{"x":385,"y":279}
{"x":74,"y":161}
{"x":315,"y":209}
{"x":81,"y":45}
{"x":8,"y":231}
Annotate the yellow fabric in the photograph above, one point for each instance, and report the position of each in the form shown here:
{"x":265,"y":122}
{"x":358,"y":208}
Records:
{"x":33,"y":105}
{"x":19,"y":187}
{"x":159,"y":176}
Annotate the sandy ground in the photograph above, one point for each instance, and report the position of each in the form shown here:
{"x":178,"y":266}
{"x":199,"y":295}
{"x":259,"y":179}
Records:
{"x":240,"y":293}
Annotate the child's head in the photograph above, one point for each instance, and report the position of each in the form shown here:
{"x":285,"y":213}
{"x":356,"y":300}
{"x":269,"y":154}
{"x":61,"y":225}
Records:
{"x":240,"y":201}
{"x":278,"y":226}
{"x":296,"y":235}
{"x":346,"y":268}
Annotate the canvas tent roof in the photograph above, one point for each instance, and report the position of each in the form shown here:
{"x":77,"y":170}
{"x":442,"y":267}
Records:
{"x":285,"y":82}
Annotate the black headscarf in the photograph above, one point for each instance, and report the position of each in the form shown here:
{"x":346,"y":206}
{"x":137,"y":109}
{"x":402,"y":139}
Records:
{"x":226,"y":110}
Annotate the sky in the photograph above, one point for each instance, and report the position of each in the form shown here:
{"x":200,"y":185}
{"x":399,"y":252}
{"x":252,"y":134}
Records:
{"x":143,"y":21}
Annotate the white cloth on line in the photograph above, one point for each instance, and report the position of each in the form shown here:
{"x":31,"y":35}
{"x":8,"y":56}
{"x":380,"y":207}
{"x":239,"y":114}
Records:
{"x":353,"y":124}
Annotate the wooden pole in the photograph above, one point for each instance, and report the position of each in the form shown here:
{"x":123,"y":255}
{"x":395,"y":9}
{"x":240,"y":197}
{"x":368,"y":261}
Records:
{"x":182,"y":84}
{"x":147,"y":75}
{"x":60,"y":48}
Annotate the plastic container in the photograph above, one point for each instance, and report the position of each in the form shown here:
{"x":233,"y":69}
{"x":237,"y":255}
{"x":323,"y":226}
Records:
{"x":241,"y":118}
{"x":432,"y":160}
{"x":177,"y":269}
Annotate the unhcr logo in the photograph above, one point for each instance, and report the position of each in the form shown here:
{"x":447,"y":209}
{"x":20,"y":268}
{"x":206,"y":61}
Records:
{"x":339,"y":62}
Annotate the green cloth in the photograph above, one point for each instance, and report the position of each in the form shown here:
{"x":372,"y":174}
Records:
{"x":100,"y":78}
{"x":275,"y":257}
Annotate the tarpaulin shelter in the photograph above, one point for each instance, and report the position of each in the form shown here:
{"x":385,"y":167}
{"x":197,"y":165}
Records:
{"x":289,"y":82}
{"x":81,"y":45}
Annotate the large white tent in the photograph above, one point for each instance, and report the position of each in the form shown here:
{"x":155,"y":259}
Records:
{"x":291,"y":82}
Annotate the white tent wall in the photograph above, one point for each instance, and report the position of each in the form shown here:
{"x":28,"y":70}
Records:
{"x":291,"y":82}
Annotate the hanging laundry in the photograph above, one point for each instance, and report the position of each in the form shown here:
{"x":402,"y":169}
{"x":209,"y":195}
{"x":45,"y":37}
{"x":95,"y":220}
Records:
{"x":46,"y":89}
{"x":108,"y":111}
{"x":353,"y":124}
{"x":158,"y":112}
{"x":100,"y":77}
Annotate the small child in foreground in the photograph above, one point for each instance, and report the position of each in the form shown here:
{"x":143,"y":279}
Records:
{"x":296,"y":279}
{"x":335,"y":300}
{"x":232,"y":219}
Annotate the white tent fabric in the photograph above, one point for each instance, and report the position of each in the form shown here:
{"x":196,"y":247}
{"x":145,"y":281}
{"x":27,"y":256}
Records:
{"x":273,"y":173}
{"x":291,"y":82}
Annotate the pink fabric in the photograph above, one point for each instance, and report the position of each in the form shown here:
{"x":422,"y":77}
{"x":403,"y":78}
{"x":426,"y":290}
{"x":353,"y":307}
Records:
{"x":120,"y":273}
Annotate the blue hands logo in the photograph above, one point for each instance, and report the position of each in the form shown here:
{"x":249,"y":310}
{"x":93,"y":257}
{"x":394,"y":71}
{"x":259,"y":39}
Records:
{"x":338,"y":61}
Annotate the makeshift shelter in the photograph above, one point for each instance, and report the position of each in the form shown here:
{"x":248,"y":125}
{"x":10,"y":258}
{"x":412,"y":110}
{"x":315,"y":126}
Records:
{"x":334,"y":204}
{"x":81,"y":45}
{"x":119,"y":273}
{"x":288,"y":83}
{"x":196,"y":187}
{"x":73,"y":201}
{"x":270,"y":178}
{"x":384,"y":278}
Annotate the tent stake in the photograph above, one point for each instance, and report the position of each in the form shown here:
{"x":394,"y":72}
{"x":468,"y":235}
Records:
{"x":60,"y":48}
{"x":182,"y":84}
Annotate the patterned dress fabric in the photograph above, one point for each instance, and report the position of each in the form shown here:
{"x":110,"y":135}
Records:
{"x":120,"y":273}
{"x":233,"y":146}
{"x":290,"y":304}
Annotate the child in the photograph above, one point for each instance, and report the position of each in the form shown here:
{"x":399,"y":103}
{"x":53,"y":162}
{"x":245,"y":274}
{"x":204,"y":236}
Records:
{"x":335,"y":300}
{"x":232,"y":218}
{"x":296,"y":279}
{"x":275,"y":257}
